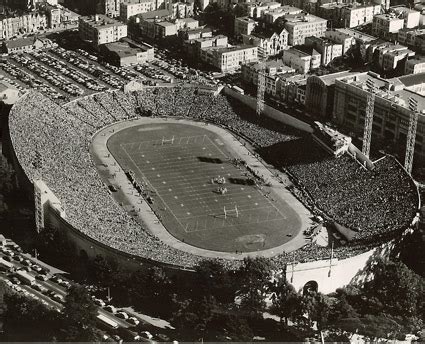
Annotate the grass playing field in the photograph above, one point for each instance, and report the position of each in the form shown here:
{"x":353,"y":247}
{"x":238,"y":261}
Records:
{"x":178,"y":174}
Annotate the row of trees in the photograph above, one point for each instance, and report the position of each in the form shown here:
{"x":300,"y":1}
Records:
{"x":218,"y":303}
{"x":28,"y":320}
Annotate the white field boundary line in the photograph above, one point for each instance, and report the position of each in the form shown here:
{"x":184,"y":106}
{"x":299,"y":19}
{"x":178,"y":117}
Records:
{"x":232,"y":225}
{"x":221,"y":213}
{"x":142,"y":143}
{"x":147,"y":181}
{"x":191,"y":186}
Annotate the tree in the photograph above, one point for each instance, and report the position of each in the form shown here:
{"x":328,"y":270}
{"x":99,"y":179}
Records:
{"x":26,"y":319}
{"x":7,"y":175}
{"x":151,"y":290}
{"x":254,"y":277}
{"x":79,"y":316}
{"x":399,"y":290}
{"x":314,"y":307}
{"x":193,"y":318}
{"x":213,"y":279}
{"x":286,"y":301}
{"x":102,"y":271}
{"x":342,"y":309}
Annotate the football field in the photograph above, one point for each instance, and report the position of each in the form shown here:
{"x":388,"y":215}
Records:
{"x":177,"y":164}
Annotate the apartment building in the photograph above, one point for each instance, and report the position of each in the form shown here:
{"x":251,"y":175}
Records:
{"x":391,"y":109}
{"x":302,"y":61}
{"x":410,"y":17}
{"x":100,"y":29}
{"x":244,"y":26}
{"x":12,"y":27}
{"x":267,"y":45}
{"x":256,"y":10}
{"x":327,"y":49}
{"x":129,"y":9}
{"x":415,"y":65}
{"x":348,"y":14}
{"x":346,"y":40}
{"x":300,"y":26}
{"x":408,"y":36}
{"x":229,"y":58}
{"x":270,"y":16}
{"x":387,"y":26}
{"x":180,"y":9}
{"x":194,"y":47}
{"x":112,"y":8}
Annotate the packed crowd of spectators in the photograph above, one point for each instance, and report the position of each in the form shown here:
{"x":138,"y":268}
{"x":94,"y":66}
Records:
{"x":371,"y":201}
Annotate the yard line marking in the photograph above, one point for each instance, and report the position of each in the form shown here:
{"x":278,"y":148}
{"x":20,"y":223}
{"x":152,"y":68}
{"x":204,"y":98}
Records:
{"x":157,"y":193}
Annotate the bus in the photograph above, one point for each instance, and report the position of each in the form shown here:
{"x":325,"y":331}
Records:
{"x":238,"y":89}
{"x":107,"y":322}
{"x":5,"y":265}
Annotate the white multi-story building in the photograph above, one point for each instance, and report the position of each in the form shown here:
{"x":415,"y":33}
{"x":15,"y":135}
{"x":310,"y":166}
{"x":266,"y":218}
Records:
{"x":270,"y":16}
{"x":408,"y":36}
{"x":100,"y":29}
{"x":301,"y":61}
{"x":391,"y":108}
{"x":346,"y":40}
{"x":349,"y":14}
{"x":135,"y":7}
{"x":411,"y":17}
{"x":268,"y":46}
{"x":180,"y":9}
{"x":387,"y":25}
{"x":415,"y":66}
{"x":111,"y":8}
{"x":300,"y":26}
{"x":257,"y":9}
{"x":327,"y":49}
{"x":11,"y":27}
{"x":244,"y":26}
{"x":229,"y":58}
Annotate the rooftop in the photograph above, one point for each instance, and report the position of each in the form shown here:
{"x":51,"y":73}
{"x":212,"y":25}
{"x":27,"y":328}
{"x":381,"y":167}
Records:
{"x":295,"y":19}
{"x":100,"y":20}
{"x":246,"y":19}
{"x":154,"y":14}
{"x":20,"y":42}
{"x":388,"y":17}
{"x":396,"y":90}
{"x":329,"y":79}
{"x":357,"y":35}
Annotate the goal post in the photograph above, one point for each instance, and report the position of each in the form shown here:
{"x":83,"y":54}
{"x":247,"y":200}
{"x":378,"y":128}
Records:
{"x":231,"y":212}
{"x":167,"y":141}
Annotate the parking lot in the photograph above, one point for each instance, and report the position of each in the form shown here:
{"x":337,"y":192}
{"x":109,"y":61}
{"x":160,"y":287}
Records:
{"x":64,"y":75}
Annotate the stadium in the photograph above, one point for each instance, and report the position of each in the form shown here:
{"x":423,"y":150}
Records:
{"x":141,"y":175}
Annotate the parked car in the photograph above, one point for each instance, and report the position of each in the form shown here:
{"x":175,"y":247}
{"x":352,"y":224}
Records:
{"x":122,"y":315}
{"x":110,"y":309}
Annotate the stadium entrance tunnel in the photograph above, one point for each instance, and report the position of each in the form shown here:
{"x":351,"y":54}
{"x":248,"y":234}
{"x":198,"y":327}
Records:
{"x":310,"y":287}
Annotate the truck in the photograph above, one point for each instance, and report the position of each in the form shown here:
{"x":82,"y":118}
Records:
{"x":104,"y":321}
{"x":25,"y":277}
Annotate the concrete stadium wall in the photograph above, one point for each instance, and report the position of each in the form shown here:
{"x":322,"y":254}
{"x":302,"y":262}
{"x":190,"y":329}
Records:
{"x":270,"y":112}
{"x":341,"y":273}
{"x":92,"y":247}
